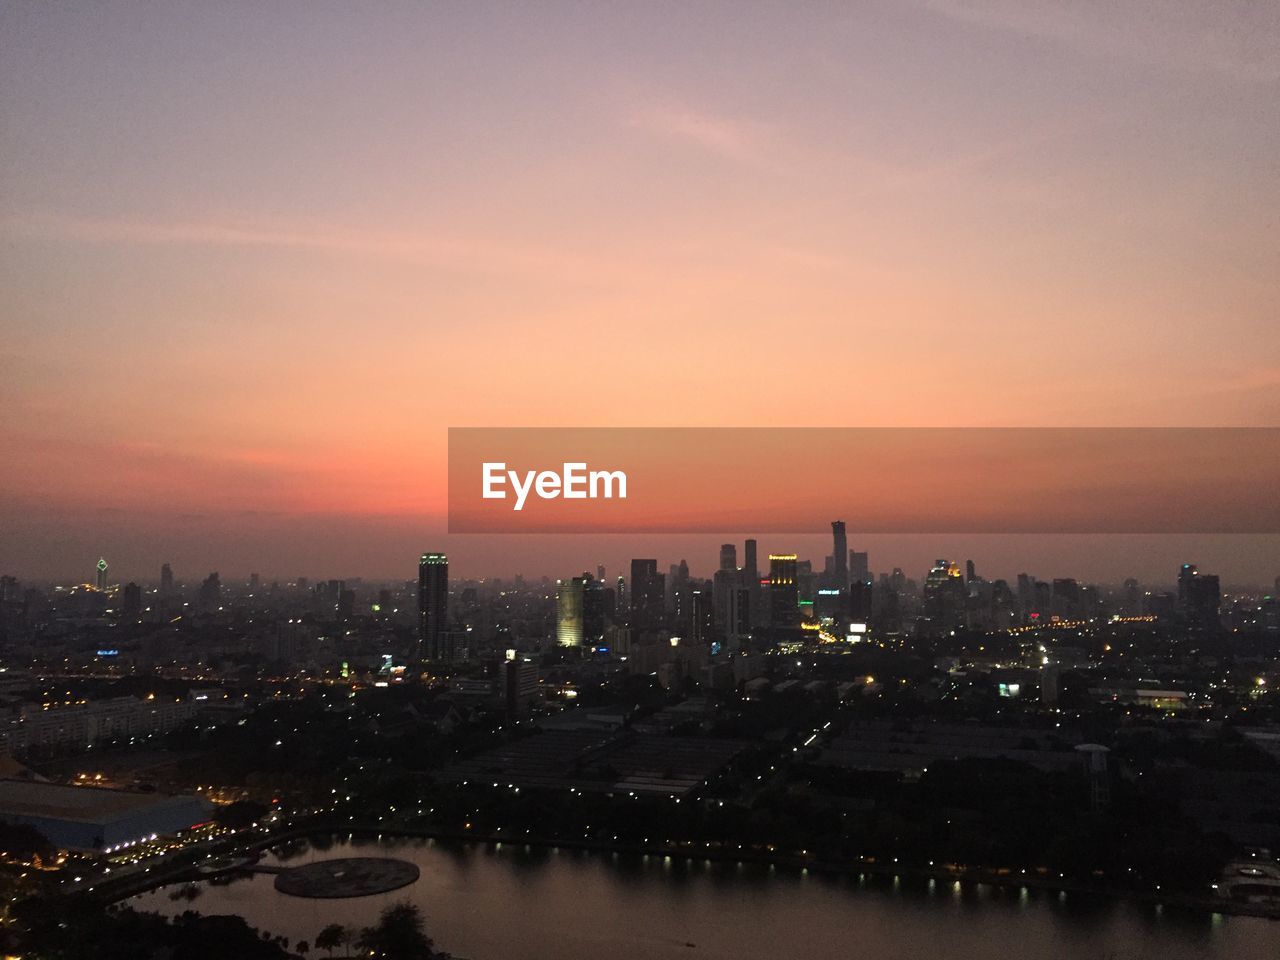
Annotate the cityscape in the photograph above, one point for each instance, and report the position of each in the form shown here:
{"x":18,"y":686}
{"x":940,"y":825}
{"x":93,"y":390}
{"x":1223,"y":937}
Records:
{"x":170,"y":739}
{"x":648,"y":481}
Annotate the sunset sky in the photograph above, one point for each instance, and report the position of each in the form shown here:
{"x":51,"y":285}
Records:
{"x":257,"y":258}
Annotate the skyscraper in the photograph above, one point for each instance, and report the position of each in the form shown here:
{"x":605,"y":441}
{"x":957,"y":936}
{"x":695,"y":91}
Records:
{"x":569,"y":603}
{"x":101,"y":581}
{"x":749,"y":562}
{"x":728,"y":556}
{"x":784,"y":590}
{"x":944,"y":595}
{"x":647,"y":590}
{"x":1186,"y":573}
{"x":433,"y":604}
{"x":859,"y":567}
{"x":131,"y":603}
{"x":840,"y":556}
{"x":166,"y":580}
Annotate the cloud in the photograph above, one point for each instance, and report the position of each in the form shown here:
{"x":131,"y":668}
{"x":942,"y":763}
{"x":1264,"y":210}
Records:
{"x":1231,"y":38}
{"x":416,"y":247}
{"x":736,"y":140}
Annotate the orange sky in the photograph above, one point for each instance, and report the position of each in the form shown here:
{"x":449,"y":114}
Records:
{"x":258,"y":262}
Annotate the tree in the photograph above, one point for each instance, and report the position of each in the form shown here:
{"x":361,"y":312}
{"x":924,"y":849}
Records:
{"x":331,"y":937}
{"x":399,"y":935}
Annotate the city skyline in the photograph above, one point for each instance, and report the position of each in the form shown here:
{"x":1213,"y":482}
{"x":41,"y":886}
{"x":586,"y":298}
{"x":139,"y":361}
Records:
{"x":706,"y":555}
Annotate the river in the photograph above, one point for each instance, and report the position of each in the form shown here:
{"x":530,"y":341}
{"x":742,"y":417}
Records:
{"x":508,"y":902}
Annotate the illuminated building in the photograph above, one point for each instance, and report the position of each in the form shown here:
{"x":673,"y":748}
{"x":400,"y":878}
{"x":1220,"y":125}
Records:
{"x":101,"y":580}
{"x":944,"y":595}
{"x":91,"y":818}
{"x":569,"y":604}
{"x":520,"y":684}
{"x":784,"y":595}
{"x":433,"y":604}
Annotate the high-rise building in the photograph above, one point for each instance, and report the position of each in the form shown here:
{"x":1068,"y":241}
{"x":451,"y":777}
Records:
{"x":784,"y":590}
{"x":519,"y":683}
{"x":569,"y":604}
{"x":737,"y":616}
{"x":166,"y":580}
{"x":1204,"y":598}
{"x":346,"y":603}
{"x":131,"y":603}
{"x":859,"y":567}
{"x":840,"y":554}
{"x":101,"y":581}
{"x":647,"y":594}
{"x":944,"y":595}
{"x":749,"y":561}
{"x":702,"y":620}
{"x":211,"y":592}
{"x":728,"y":556}
{"x":433,"y":605}
{"x":1186,"y":574}
{"x":594,"y":601}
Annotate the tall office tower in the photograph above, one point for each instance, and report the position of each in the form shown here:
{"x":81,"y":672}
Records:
{"x":433,"y":605}
{"x":784,"y":591}
{"x":101,"y":581}
{"x":840,"y":554}
{"x":859,"y":568}
{"x":1201,"y":607}
{"x":1186,"y":574}
{"x":622,"y":604}
{"x":166,"y":580}
{"x":749,"y":562}
{"x":600,"y":572}
{"x":210,"y":597}
{"x":569,"y":603}
{"x":702,"y":619}
{"x":944,"y":595}
{"x":1131,"y":598}
{"x":1026,"y":594}
{"x":647,"y":595}
{"x":970,"y":572}
{"x":131,"y":603}
{"x":1066,"y":598}
{"x":737,"y":616}
{"x":728,"y":556}
{"x":593,"y":610}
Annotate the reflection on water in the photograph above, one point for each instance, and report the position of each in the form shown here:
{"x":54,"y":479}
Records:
{"x":510,"y":902}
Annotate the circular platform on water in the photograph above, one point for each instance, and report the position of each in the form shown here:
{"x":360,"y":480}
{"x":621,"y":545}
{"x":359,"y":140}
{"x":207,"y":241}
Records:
{"x":351,"y":877}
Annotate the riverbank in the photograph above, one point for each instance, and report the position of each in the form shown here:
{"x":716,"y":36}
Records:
{"x":868,"y":867}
